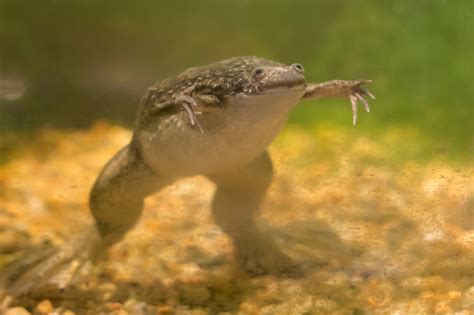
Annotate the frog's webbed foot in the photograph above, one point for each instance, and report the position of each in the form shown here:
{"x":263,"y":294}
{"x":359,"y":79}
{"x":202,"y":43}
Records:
{"x":188,"y":103}
{"x":259,"y":255}
{"x":358,"y":93}
{"x":36,"y":268}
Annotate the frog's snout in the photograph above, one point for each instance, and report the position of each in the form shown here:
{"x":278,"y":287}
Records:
{"x":277,"y":78}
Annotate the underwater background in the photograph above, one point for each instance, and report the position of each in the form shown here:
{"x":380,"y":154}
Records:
{"x":385,"y":208}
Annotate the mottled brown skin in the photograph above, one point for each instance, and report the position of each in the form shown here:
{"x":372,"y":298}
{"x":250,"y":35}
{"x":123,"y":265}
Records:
{"x":216,"y":120}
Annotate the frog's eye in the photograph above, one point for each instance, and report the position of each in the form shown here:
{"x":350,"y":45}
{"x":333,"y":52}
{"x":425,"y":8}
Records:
{"x":298,"y":67}
{"x":258,"y":73}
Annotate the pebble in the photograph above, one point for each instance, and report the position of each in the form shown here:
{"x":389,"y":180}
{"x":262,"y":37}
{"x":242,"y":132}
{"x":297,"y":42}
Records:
{"x":113,"y":306}
{"x":468,"y":299}
{"x":109,"y":289}
{"x":325,"y":305}
{"x":191,"y":272}
{"x":429,"y":279}
{"x":195,"y":294}
{"x":129,"y":304}
{"x":17,"y":311}
{"x":164,"y":310}
{"x":12,"y":240}
{"x":139,"y":308}
{"x":418,"y":284}
{"x":44,"y":307}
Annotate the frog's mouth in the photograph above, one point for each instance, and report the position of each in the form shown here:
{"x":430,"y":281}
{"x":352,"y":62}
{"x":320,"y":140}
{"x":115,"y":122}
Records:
{"x":272,"y":102}
{"x":279,"y":79}
{"x":283,"y":90}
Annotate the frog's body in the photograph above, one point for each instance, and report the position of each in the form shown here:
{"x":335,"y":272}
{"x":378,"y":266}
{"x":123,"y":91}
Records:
{"x":238,"y":135}
{"x":217,"y":121}
{"x":239,"y":120}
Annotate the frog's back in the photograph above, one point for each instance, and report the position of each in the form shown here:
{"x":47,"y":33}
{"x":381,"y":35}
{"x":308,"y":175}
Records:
{"x":226,"y":77}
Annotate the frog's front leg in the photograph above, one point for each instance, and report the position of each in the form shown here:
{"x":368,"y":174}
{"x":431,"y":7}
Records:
{"x":236,"y":202}
{"x":341,"y":88}
{"x":186,"y":101}
{"x":116,"y":202}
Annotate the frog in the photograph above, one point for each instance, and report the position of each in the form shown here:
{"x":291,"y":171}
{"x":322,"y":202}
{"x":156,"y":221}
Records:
{"x":216,"y":120}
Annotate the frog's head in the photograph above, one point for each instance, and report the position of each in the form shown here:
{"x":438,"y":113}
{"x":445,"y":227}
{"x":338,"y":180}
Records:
{"x":252,"y":83}
{"x":247,"y":76}
{"x":266,"y":87}
{"x":249,"y":89}
{"x":271,"y":77}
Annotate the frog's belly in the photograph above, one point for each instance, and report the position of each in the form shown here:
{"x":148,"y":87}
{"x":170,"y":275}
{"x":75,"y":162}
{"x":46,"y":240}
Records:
{"x":186,"y":152}
{"x":231,"y":138}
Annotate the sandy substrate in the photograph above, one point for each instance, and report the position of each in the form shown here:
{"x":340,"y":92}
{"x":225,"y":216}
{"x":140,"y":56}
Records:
{"x":383,"y":237}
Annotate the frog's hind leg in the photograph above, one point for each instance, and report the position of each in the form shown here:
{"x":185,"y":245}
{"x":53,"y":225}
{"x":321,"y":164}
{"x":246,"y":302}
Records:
{"x":235,"y":205}
{"x":117,"y":197}
{"x":116,"y":203}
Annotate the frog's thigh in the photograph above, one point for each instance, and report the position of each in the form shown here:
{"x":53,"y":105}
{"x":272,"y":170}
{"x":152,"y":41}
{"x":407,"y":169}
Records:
{"x":239,"y":194}
{"x":116,"y":200}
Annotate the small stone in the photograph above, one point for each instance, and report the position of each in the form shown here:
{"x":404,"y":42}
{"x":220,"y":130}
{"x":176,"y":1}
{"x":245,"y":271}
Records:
{"x":122,"y":312}
{"x":44,"y":307}
{"x":418,"y":284}
{"x":113,"y":306}
{"x":196,"y":294}
{"x":17,"y":311}
{"x":109,"y":290}
{"x":468,"y":299}
{"x":191,"y":273}
{"x":164,"y":310}
{"x":442,"y":307}
{"x":130,"y":304}
{"x":12,"y":240}
{"x":325,"y":305}
{"x":139,"y":308}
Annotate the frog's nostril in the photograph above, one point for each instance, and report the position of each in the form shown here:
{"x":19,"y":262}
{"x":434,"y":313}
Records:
{"x":298,"y":67}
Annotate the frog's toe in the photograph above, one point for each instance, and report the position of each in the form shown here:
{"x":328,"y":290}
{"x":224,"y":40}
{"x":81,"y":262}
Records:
{"x":24,"y":261}
{"x":267,"y":260}
{"x":282,"y":266}
{"x":20,"y":278}
{"x":358,"y":95}
{"x":49,"y":264}
{"x":367,"y":92}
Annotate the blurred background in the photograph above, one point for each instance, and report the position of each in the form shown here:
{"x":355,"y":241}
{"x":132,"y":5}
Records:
{"x":385,"y":210}
{"x":69,"y":63}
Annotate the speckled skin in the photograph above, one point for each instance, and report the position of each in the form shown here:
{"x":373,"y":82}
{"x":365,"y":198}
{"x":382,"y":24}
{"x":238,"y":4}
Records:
{"x":216,"y":120}
{"x":223,"y":78}
{"x":244,"y":102}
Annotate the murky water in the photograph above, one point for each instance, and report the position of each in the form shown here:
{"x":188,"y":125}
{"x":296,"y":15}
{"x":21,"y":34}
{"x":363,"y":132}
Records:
{"x":378,"y":218}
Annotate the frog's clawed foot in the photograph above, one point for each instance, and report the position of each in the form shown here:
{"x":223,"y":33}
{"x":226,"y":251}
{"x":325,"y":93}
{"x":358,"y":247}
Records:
{"x":188,"y":103}
{"x":279,"y":265}
{"x":358,"y":94}
{"x":45,"y":264}
{"x":263,"y":257}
